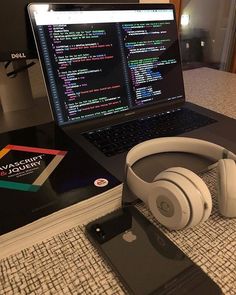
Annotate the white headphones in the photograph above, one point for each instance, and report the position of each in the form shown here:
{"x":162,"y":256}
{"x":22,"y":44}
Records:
{"x":177,"y":197}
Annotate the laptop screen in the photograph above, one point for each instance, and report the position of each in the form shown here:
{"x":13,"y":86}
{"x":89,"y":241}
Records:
{"x":104,"y":60}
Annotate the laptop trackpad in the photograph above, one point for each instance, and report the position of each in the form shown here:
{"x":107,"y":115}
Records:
{"x":221,"y":134}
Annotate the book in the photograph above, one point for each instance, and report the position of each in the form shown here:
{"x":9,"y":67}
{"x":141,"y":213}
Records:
{"x":43,"y":171}
{"x":50,"y":225}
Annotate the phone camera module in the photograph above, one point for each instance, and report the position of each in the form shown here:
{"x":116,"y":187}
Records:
{"x":99,"y":232}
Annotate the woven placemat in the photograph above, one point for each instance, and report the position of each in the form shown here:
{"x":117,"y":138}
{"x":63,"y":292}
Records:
{"x":68,"y":264}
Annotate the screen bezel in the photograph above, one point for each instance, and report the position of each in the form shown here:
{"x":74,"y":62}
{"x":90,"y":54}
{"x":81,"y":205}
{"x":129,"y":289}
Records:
{"x":114,"y":118}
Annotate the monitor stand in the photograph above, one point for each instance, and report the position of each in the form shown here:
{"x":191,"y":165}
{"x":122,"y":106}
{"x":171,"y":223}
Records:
{"x":15,"y":93}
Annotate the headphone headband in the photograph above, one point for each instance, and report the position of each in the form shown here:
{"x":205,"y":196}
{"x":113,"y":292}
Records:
{"x":199,"y":147}
{"x":195,"y":146}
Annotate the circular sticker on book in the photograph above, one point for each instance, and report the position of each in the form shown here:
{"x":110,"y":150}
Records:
{"x":101,"y":182}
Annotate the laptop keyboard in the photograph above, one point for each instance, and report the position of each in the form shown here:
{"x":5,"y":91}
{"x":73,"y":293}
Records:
{"x":122,"y":137}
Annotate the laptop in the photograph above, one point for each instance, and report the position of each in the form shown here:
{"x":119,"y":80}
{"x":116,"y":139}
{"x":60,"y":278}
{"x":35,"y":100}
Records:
{"x":114,"y":78}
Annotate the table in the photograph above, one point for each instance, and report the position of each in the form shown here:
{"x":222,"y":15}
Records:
{"x":212,"y":89}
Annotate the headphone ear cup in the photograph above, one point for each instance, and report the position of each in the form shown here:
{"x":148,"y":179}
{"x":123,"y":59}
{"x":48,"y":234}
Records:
{"x":168,"y":204}
{"x":227,"y":187}
{"x":188,"y":194}
{"x":200,"y":185}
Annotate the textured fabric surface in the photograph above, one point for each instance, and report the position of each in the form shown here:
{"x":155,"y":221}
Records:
{"x":68,"y":264}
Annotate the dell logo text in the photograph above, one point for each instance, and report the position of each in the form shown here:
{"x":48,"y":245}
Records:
{"x":17,"y":55}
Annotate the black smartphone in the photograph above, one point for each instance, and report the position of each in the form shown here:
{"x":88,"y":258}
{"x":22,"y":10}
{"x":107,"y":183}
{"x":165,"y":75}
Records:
{"x":145,"y":260}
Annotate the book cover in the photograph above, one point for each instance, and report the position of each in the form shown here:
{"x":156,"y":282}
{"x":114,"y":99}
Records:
{"x":42,"y":171}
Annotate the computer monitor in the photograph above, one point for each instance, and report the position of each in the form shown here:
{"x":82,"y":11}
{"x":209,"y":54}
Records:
{"x":16,"y":42}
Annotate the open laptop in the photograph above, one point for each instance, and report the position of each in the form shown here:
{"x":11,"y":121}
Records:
{"x":114,"y":78}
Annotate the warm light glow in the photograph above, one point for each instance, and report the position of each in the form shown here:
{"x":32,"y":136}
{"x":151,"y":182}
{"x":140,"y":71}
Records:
{"x":185,"y":20}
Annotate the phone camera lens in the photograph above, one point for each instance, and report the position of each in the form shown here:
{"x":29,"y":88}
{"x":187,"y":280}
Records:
{"x":99,"y":232}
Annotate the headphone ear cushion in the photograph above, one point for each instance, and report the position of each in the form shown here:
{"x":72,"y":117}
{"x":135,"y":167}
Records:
{"x":227,"y":187}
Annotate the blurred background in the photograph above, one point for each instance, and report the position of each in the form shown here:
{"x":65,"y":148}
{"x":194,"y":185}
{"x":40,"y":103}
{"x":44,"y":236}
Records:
{"x":207,"y":34}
